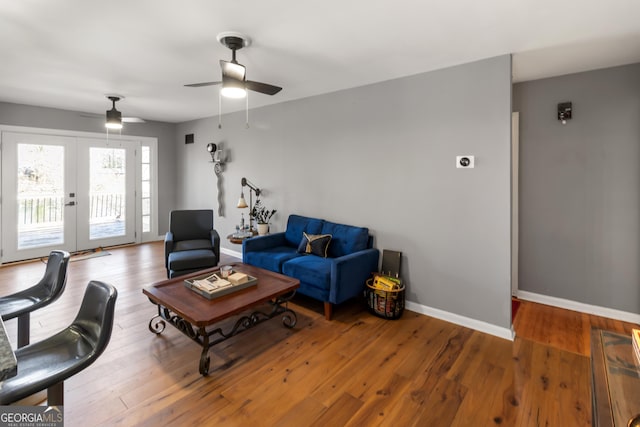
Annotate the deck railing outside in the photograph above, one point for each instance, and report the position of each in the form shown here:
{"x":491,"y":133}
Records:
{"x":40,"y":211}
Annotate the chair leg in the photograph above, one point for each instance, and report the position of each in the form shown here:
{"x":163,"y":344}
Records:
{"x":23,"y":330}
{"x":327,"y":310}
{"x":55,"y":394}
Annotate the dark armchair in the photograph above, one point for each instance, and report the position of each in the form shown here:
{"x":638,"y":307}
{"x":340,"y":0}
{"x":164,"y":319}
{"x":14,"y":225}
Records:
{"x":191,"y":244}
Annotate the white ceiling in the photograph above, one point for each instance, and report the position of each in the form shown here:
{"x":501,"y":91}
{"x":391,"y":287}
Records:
{"x":69,"y":53}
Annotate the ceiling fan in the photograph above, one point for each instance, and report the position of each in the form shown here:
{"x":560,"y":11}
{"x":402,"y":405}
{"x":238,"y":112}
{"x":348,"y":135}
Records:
{"x":234,"y":80}
{"x":114,"y":117}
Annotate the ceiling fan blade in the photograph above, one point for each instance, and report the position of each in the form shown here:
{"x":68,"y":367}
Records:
{"x":265,"y":88}
{"x":203,"y":84}
{"x":133,"y":120}
{"x":233,"y":70}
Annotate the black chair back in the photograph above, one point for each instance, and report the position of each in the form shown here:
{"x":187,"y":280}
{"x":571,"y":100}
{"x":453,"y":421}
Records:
{"x":191,"y":224}
{"x":55,"y":275}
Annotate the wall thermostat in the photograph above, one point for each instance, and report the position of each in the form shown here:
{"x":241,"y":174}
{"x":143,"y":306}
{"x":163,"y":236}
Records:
{"x":465,"y":162}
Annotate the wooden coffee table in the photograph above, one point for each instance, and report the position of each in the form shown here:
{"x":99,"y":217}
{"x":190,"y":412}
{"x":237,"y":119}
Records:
{"x":193,"y":314}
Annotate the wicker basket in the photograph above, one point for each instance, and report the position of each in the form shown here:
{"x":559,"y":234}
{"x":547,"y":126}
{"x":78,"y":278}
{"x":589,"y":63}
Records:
{"x":388,"y":304}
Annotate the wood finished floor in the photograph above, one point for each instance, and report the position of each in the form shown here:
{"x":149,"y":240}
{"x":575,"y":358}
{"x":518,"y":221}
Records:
{"x":356,"y":370}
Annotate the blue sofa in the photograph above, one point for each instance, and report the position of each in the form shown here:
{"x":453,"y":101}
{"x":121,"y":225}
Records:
{"x":341,"y":275}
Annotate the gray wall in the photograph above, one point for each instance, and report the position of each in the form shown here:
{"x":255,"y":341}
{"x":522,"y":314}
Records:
{"x":383,"y":156}
{"x":580,"y":186}
{"x":50,"y":118}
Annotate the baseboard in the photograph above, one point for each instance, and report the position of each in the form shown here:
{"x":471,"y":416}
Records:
{"x":610,"y":313}
{"x":467,"y":322}
{"x":231,"y":252}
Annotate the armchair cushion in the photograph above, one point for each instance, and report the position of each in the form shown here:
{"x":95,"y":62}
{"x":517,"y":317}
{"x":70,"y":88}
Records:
{"x":190,"y":245}
{"x":197,"y":259}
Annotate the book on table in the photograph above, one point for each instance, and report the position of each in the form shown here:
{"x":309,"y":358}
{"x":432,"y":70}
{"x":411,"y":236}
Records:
{"x":213,"y":286}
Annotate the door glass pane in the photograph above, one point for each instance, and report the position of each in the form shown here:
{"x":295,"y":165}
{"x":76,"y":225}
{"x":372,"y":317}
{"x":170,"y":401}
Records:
{"x":146,"y":189}
{"x":146,"y":155}
{"x":146,"y":174}
{"x":107,"y":192}
{"x":146,"y":207}
{"x":40,"y":195}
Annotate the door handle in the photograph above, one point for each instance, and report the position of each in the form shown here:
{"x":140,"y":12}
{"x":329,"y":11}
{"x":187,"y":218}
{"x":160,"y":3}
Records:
{"x":70,"y":204}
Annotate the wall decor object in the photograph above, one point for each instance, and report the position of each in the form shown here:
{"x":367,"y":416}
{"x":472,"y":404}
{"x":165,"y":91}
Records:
{"x":564,"y":112}
{"x":218,"y":160}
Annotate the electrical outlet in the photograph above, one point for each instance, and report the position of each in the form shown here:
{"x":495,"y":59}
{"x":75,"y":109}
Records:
{"x":465,"y":162}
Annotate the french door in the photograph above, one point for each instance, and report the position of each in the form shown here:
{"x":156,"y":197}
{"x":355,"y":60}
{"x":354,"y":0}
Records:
{"x":69,"y":193}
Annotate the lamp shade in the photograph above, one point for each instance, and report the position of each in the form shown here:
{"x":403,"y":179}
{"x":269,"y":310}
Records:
{"x":242,"y":203}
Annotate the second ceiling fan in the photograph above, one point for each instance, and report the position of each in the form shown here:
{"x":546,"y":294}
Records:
{"x":234,"y":79}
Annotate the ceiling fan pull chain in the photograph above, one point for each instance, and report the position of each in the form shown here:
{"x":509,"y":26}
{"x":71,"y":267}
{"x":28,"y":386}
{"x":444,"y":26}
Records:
{"x":219,"y":110}
{"x":246,"y":107}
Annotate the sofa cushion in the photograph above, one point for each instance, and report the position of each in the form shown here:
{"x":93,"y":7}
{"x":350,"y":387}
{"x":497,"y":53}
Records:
{"x":190,"y":245}
{"x":312,"y":270}
{"x":316,"y":244}
{"x":346,"y":238}
{"x":296,"y":225}
{"x":195,"y":259}
{"x":271,"y":258}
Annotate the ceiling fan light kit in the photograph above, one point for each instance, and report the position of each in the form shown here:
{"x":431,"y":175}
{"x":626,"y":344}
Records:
{"x":114,"y":117}
{"x":232,"y":88}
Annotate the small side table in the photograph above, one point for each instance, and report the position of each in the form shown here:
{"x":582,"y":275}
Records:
{"x":238,"y":239}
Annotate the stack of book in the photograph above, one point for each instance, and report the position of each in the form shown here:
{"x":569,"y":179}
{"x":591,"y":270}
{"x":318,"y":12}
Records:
{"x":210,"y":284}
{"x":213,"y":286}
{"x":635,"y":339}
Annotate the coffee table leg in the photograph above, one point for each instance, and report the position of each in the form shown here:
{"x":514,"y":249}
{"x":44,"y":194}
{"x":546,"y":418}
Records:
{"x":281,"y":305}
{"x":157,"y":324}
{"x":204,"y":357}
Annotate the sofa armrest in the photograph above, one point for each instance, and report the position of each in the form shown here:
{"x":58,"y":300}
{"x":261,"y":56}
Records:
{"x":260,"y":243}
{"x":350,"y":272}
{"x":168,"y":247}
{"x":215,"y":242}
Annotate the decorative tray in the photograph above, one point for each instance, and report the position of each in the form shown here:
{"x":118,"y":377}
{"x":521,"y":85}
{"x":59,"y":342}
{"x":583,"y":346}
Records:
{"x":212,"y":286}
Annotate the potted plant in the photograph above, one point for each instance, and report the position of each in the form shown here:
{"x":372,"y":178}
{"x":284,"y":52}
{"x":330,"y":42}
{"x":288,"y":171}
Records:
{"x":262,"y":215}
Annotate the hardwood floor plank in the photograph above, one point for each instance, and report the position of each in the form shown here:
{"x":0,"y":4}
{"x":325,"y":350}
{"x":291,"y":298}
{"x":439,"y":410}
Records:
{"x":355,"y":370}
{"x":337,"y":414}
{"x":306,"y":410}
